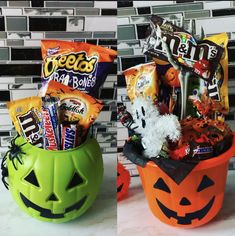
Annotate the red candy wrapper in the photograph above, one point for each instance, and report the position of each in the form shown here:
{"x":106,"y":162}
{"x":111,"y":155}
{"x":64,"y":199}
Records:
{"x":68,"y":134}
{"x":50,"y":123}
{"x":201,"y":58}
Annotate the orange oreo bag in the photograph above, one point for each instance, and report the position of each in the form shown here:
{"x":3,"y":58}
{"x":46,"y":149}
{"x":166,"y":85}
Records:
{"x":141,"y":80}
{"x":75,"y":107}
{"x":79,"y":65}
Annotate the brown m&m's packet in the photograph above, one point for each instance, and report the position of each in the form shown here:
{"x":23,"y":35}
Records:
{"x":26,"y":116}
{"x":75,"y":107}
{"x":199,"y":57}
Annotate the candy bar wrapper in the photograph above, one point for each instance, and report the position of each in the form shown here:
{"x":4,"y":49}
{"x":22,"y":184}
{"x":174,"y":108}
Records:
{"x":75,"y":107}
{"x":68,"y":134}
{"x":51,"y":129}
{"x":142,"y":80}
{"x":218,"y":87}
{"x":79,"y":65}
{"x":26,"y":116}
{"x":201,"y":58}
{"x":212,"y":97}
{"x":201,"y":139}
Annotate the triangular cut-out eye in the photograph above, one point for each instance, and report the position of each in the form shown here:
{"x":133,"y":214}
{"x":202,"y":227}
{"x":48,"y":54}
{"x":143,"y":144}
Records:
{"x":32,"y":179}
{"x":75,"y":181}
{"x":53,"y":197}
{"x":205,"y":183}
{"x":160,"y":184}
{"x":118,"y":174}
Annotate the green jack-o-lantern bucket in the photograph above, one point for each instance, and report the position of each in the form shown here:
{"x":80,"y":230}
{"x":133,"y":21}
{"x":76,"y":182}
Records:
{"x":55,"y":186}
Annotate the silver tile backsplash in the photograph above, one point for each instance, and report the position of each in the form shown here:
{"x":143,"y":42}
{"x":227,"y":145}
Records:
{"x":23,"y":24}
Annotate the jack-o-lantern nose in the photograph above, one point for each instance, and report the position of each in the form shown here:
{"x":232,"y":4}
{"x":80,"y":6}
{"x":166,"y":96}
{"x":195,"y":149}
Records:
{"x":184,"y":201}
{"x":53,"y":197}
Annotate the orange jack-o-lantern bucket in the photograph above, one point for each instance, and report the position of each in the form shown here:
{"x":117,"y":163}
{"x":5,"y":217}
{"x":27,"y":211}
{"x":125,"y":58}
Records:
{"x":195,"y":200}
{"x":123,"y":181}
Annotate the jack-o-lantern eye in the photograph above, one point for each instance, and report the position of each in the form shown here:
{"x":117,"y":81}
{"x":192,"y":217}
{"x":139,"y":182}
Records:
{"x":160,"y":184}
{"x":75,"y":181}
{"x":118,"y":174}
{"x":205,"y":183}
{"x":32,"y":179}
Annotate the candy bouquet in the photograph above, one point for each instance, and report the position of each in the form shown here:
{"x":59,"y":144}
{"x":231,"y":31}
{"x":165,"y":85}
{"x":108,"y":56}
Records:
{"x":176,"y":123}
{"x":54,"y":168}
{"x":60,"y":117}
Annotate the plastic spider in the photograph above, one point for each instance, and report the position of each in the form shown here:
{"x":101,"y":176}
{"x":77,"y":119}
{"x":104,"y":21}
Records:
{"x":13,"y":153}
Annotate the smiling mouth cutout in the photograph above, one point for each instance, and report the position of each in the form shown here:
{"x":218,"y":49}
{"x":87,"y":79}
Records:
{"x":188,"y":216}
{"x":119,"y":188}
{"x":47,"y":213}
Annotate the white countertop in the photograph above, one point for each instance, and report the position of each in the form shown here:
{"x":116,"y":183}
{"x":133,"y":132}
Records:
{"x":135,"y":218}
{"x":99,"y":220}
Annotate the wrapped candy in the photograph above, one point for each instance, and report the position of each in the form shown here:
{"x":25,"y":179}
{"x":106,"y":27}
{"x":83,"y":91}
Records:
{"x":142,"y":80}
{"x":79,"y":65}
{"x":200,"y":58}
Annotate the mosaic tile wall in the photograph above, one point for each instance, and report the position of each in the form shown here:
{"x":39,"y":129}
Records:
{"x":213,"y":16}
{"x":23,"y":24}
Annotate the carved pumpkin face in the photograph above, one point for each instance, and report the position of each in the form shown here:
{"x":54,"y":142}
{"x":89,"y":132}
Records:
{"x":123,"y":181}
{"x":192,"y":202}
{"x":172,"y":77}
{"x":56,"y":186}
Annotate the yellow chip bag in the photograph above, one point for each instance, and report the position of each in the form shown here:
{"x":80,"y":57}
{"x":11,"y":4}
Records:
{"x":218,"y":87}
{"x":75,"y":107}
{"x":26,"y":116}
{"x":141,"y":80}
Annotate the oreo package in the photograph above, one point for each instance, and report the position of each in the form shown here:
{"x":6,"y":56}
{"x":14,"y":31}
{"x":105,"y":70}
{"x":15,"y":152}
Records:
{"x":79,"y":65}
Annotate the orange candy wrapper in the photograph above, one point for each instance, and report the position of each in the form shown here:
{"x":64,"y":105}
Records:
{"x":142,"y":80}
{"x":75,"y":107}
{"x":79,"y":65}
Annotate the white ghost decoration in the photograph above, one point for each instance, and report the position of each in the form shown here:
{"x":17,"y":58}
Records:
{"x":153,"y":127}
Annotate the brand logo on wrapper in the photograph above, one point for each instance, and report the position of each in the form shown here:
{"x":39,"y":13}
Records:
{"x":143,"y":82}
{"x":48,"y":130}
{"x":188,"y":49}
{"x":30,"y":128}
{"x":74,"y":62}
{"x":52,"y":51}
{"x":73,"y":108}
{"x":69,"y":138}
{"x":76,"y":70}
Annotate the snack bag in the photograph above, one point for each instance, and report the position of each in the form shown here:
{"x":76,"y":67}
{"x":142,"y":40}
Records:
{"x":142,"y":80}
{"x":79,"y":65}
{"x":26,"y":116}
{"x":201,"y":58}
{"x":75,"y":107}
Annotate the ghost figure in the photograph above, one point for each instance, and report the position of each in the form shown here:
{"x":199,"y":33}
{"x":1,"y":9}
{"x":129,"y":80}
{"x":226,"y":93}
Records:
{"x":153,"y":127}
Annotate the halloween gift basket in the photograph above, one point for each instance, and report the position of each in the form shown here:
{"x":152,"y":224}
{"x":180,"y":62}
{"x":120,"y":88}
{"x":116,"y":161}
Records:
{"x":177,"y":134}
{"x":54,"y":166}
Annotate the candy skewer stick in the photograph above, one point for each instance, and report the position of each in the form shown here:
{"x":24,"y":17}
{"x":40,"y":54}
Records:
{"x":183,"y":78}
